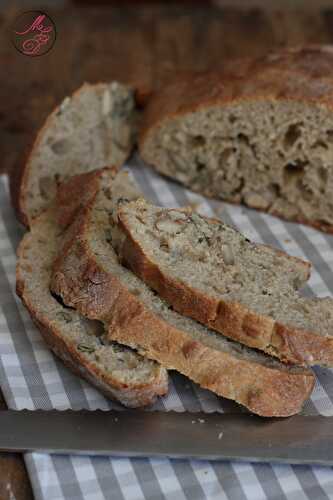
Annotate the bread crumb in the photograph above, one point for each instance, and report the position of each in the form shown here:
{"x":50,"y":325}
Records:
{"x":220,"y":435}
{"x":106,"y":103}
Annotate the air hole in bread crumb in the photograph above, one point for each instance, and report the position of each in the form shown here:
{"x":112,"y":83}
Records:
{"x":227,"y":153}
{"x":243,"y":139}
{"x":319,"y":144}
{"x":329,"y":134}
{"x":61,"y":147}
{"x":323,"y":174}
{"x":199,"y":165}
{"x":197,"y":141}
{"x":294,"y":170}
{"x":276,"y":189}
{"x":60,"y":301}
{"x":292,"y":135}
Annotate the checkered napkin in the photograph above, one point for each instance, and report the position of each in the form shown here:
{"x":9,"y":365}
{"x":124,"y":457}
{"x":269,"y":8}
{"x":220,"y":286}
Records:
{"x":31,"y":377}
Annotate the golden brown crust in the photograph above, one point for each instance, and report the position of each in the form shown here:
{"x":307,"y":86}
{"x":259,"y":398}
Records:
{"x":142,"y":96}
{"x":232,"y":319}
{"x":322,"y":226}
{"x":263,"y":389}
{"x":80,"y":281}
{"x":247,"y":79}
{"x":80,"y":190}
{"x":96,"y":293}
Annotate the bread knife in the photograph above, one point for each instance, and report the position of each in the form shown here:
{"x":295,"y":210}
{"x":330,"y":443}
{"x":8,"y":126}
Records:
{"x":214,"y":436}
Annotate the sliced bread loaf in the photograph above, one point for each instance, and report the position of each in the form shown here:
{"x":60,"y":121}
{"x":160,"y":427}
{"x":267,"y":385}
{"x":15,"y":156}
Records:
{"x":117,"y":371}
{"x":212,"y":273}
{"x":88,"y":276}
{"x":261,"y":133}
{"x":94,"y":127}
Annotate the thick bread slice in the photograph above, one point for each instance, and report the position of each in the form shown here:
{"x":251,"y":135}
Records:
{"x":88,"y":276}
{"x":94,"y":127}
{"x":261,"y":134}
{"x":118,"y":372}
{"x":209,"y":271}
{"x":260,"y":383}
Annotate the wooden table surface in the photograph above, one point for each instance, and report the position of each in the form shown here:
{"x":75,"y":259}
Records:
{"x":145,"y":45}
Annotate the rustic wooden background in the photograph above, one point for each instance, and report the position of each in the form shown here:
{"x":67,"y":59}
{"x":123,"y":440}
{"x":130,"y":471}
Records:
{"x":143,"y":45}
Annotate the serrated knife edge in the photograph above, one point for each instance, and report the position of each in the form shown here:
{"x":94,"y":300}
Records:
{"x":213,"y":436}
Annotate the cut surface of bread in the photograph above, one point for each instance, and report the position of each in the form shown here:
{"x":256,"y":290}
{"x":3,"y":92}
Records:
{"x":94,"y":127}
{"x":88,"y":276}
{"x":207,"y":270}
{"x":260,"y":134}
{"x":117,"y":371}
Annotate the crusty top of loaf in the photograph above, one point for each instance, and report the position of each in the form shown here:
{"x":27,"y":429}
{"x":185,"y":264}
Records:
{"x":298,"y":74}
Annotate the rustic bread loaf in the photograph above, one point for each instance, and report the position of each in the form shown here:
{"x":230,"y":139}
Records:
{"x":94,"y":127}
{"x":209,"y":271}
{"x":260,"y":133}
{"x":88,"y":276}
{"x":117,"y":371}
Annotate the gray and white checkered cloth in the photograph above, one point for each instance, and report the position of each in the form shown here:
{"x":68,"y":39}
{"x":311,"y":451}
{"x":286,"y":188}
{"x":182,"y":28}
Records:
{"x":31,"y":377}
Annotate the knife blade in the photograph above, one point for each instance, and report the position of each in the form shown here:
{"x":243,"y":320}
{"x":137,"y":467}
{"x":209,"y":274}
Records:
{"x":215,"y":436}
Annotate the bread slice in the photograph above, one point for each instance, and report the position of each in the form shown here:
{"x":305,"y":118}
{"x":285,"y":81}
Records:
{"x":117,"y":371}
{"x":94,"y":127}
{"x":261,"y":133}
{"x":88,"y":276}
{"x":209,"y":271}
